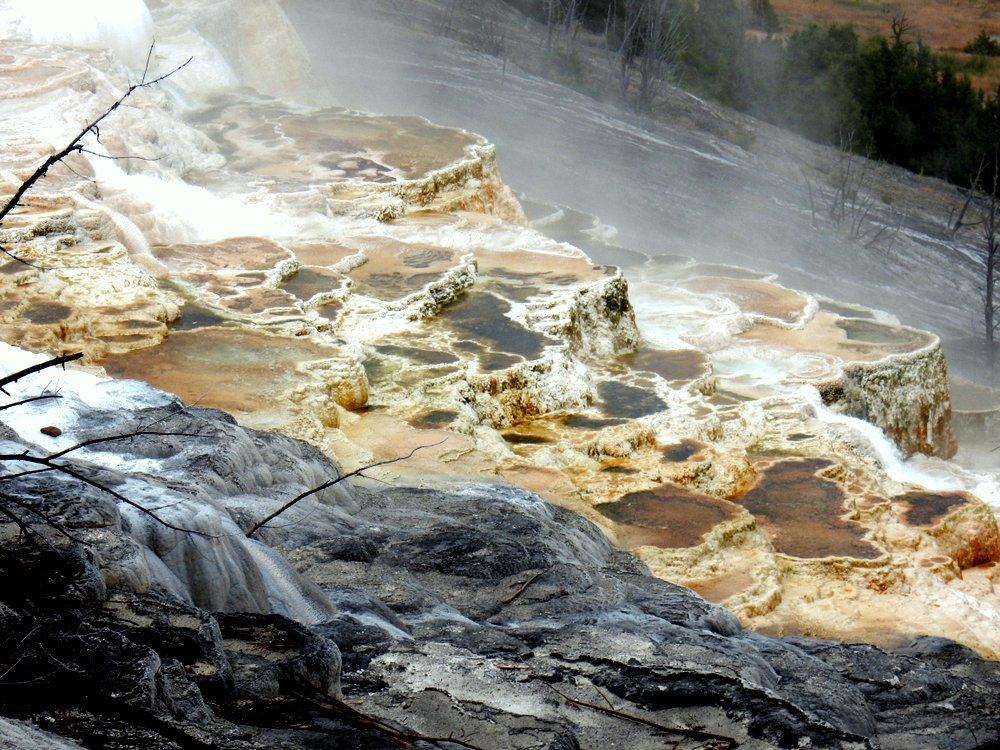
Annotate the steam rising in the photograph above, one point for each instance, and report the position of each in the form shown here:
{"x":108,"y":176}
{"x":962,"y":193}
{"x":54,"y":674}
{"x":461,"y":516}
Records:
{"x":707,"y":183}
{"x":123,"y":26}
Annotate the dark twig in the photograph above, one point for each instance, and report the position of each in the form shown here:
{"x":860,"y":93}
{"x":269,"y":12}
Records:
{"x":7,"y":499}
{"x":327,"y":485}
{"x":23,"y":401}
{"x":60,"y":361}
{"x":524,"y":587}
{"x":76,"y":145}
{"x":604,"y":697}
{"x":19,"y":474}
{"x":70,"y":472}
{"x":118,"y":438}
{"x":695,"y":734}
{"x":23,"y":528}
{"x":149,"y":56}
{"x":81,"y":176}
{"x":114,"y":157}
{"x":402,"y":736}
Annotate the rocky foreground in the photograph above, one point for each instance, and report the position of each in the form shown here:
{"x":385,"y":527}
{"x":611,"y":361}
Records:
{"x":477,"y":612}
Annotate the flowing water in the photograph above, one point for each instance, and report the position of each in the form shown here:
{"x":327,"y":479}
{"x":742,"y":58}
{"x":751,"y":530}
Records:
{"x":218,"y":569}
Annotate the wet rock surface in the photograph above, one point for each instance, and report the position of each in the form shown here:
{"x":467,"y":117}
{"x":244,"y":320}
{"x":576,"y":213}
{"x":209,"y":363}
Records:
{"x":476,"y":612}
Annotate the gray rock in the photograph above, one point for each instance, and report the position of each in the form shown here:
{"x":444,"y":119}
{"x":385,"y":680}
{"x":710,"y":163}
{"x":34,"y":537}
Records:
{"x":476,"y":612}
{"x":17,"y":735}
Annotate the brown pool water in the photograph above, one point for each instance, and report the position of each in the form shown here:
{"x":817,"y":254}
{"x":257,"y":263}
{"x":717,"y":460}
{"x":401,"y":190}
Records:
{"x":927,"y":508}
{"x":673,"y":365}
{"x":239,"y":370}
{"x":668,"y":516}
{"x":803,"y":512}
{"x":627,"y":401}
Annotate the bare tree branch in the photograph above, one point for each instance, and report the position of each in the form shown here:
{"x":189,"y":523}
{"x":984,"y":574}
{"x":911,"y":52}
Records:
{"x":969,"y":197}
{"x":60,"y":361}
{"x":337,"y":480}
{"x":70,"y":472}
{"x":42,"y":397}
{"x":524,"y":587}
{"x":46,"y":520}
{"x":696,"y":734}
{"x":113,"y":157}
{"x":855,"y":208}
{"x":119,"y":438}
{"x":402,"y":736}
{"x":76,"y":146}
{"x":991,"y":258}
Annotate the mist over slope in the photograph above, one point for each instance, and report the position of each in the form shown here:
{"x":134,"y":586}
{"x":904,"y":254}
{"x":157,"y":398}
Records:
{"x":709,"y":182}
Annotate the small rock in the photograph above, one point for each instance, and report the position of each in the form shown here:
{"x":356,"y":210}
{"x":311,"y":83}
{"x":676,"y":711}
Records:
{"x":51,"y":431}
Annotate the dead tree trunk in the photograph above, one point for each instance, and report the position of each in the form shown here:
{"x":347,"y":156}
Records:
{"x":969,"y":198}
{"x":662,"y":40}
{"x":629,"y":43}
{"x":991,"y":243}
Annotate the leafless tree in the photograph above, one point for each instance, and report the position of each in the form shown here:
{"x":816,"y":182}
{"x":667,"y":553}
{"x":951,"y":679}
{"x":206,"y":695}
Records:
{"x":481,"y":25}
{"x":990,"y":228}
{"x":648,"y":41}
{"x":490,"y":33}
{"x":628,"y":43}
{"x":979,"y":214}
{"x":855,"y":206}
{"x":956,"y":219}
{"x":662,"y":42}
{"x":562,"y":19}
{"x":454,"y":8}
{"x":900,"y":29}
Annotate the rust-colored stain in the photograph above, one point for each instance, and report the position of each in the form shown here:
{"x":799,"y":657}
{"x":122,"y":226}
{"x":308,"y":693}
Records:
{"x":668,"y":516}
{"x":803,"y":512}
{"x":927,"y":508}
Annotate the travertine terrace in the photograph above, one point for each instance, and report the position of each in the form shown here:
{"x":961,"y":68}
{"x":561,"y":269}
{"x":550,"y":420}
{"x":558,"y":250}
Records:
{"x":371,"y":285}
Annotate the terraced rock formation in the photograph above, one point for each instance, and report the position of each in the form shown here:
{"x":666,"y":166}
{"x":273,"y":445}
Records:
{"x":370,"y":285}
